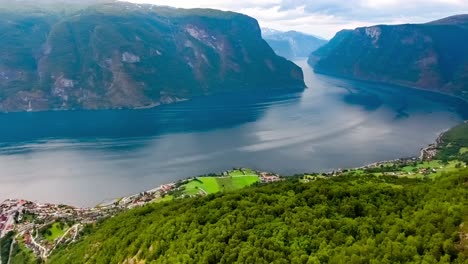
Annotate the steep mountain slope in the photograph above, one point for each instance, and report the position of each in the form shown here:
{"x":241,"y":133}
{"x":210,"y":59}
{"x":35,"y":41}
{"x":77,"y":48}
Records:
{"x":348,"y":219}
{"x":432,"y":56}
{"x":122,"y":55}
{"x":292,"y":44}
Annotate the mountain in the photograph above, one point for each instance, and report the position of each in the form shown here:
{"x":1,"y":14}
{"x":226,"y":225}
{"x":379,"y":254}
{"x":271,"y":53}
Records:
{"x":431,"y":56}
{"x":122,"y":55}
{"x":292,"y":44}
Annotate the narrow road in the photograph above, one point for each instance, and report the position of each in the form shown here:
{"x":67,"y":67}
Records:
{"x":41,"y":248}
{"x":10,"y":254}
{"x":75,"y":227}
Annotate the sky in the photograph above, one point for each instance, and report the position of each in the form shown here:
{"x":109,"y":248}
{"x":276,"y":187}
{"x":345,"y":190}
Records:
{"x":326,"y":17}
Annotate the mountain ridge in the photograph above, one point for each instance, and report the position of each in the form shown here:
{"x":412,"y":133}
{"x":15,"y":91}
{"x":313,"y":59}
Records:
{"x":427,"y":56}
{"x":292,"y":44}
{"x":123,"y":55}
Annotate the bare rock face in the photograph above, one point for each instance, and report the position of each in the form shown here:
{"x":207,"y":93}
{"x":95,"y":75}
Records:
{"x":432,"y":56}
{"x":130,"y":58}
{"x":122,"y":55}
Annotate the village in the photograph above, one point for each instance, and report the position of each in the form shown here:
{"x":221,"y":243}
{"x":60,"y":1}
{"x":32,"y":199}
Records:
{"x":42,"y":227}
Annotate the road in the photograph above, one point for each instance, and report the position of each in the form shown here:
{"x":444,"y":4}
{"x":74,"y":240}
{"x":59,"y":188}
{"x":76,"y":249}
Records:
{"x":75,"y":227}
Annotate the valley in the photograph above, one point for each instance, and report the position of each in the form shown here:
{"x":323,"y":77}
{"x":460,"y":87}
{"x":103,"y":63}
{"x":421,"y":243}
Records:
{"x":119,"y":121}
{"x":121,"y":152}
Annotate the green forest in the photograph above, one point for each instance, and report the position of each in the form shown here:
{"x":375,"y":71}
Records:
{"x":454,"y":145}
{"x":347,"y":219}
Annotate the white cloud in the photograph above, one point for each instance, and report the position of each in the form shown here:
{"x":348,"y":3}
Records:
{"x":326,"y":17}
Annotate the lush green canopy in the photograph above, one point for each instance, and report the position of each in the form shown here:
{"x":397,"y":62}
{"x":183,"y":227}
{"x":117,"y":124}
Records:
{"x":454,"y":144}
{"x":346,"y":219}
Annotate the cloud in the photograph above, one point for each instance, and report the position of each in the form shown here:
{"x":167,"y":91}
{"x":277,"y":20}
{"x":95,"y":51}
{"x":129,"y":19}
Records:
{"x":326,"y":17}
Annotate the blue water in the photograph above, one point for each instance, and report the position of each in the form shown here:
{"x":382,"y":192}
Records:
{"x":86,"y":157}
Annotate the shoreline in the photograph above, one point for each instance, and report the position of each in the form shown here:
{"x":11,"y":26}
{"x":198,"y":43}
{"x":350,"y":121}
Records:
{"x":396,"y":85}
{"x":22,"y":218}
{"x":423,"y":156}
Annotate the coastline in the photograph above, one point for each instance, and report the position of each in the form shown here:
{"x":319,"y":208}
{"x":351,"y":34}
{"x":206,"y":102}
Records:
{"x":21,"y":219}
{"x":421,"y":157}
{"x":397,"y":85}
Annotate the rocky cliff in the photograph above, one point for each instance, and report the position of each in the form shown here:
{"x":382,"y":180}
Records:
{"x":122,"y":55}
{"x":432,"y":56}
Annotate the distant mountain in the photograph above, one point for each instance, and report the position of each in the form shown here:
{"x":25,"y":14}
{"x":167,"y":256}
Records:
{"x":122,"y":55}
{"x":292,"y":44}
{"x":431,"y":56}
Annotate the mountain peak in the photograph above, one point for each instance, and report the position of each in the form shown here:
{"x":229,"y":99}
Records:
{"x":452,"y":20}
{"x":292,"y":44}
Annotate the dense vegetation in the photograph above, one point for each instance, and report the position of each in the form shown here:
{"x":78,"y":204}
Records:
{"x":22,"y":255}
{"x":454,"y":144}
{"x":5,"y":243}
{"x":122,"y":55}
{"x":348,"y":219}
{"x":19,"y":253}
{"x":431,"y":56}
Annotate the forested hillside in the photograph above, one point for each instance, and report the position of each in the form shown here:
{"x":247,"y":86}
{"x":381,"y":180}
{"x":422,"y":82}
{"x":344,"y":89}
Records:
{"x":454,"y":144}
{"x":348,"y":219}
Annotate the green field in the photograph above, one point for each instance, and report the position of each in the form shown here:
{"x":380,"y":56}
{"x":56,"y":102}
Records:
{"x":236,"y":182}
{"x":166,"y":198}
{"x":236,"y":173}
{"x":205,"y":184}
{"x":438,"y":165}
{"x":464,"y":150}
{"x":56,"y":230}
{"x":209,"y":185}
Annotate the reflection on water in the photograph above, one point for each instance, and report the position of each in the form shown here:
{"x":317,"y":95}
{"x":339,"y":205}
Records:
{"x":201,"y":114}
{"x":85,"y":157}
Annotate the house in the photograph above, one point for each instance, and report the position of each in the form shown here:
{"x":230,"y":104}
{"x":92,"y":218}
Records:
{"x":267,"y":178}
{"x":167,"y":187}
